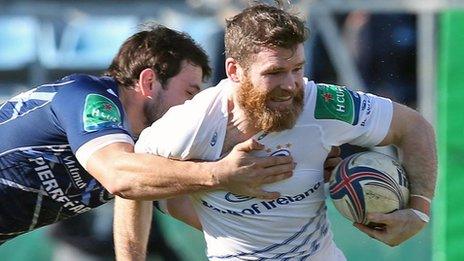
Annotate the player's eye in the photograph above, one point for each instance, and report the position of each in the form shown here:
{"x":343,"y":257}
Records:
{"x":273,"y":72}
{"x":192,"y":92}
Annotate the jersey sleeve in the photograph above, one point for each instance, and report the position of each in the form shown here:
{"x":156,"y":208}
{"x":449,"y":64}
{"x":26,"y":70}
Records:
{"x":347,"y":116}
{"x":91,"y":116}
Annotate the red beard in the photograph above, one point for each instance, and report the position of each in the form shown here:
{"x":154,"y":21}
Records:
{"x":253,"y":102}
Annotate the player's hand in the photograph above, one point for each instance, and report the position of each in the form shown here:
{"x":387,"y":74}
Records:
{"x":243,"y":174}
{"x":332,"y":160}
{"x":398,"y":227}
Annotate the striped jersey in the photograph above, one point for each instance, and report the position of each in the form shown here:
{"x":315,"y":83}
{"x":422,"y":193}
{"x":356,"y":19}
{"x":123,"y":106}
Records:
{"x":295,"y":225}
{"x":42,"y":130}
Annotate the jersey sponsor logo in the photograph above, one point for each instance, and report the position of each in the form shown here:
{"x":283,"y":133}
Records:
{"x":65,"y":157}
{"x":235,"y":198}
{"x":52,"y":188}
{"x":338,"y":103}
{"x":74,"y":171}
{"x":100,"y":113}
{"x":258,"y":208}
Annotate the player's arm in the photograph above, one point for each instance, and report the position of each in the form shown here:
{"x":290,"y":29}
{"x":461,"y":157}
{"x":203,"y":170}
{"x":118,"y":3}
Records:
{"x":415,"y":138}
{"x":132,"y":221}
{"x":147,"y":177}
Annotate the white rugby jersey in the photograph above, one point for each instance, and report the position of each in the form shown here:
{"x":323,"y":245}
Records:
{"x":294,"y":226}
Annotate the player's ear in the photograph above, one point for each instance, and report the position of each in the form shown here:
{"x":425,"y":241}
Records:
{"x":233,"y":70}
{"x":148,"y":81}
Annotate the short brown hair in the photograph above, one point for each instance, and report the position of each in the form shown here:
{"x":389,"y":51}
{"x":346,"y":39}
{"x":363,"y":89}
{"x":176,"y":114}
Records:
{"x":262,"y":26}
{"x":159,"y":48}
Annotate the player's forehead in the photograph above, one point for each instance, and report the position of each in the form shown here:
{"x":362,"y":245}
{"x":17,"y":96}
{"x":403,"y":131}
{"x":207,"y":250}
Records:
{"x":190,"y":74}
{"x":188,"y":68}
{"x":268,"y":58}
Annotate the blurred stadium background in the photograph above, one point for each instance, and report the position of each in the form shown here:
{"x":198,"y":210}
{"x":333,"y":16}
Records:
{"x":409,"y":50}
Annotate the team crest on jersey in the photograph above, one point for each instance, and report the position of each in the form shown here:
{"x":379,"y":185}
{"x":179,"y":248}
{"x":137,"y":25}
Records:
{"x":213,"y":139}
{"x":100,"y":113}
{"x":281,"y":152}
{"x":338,"y":103}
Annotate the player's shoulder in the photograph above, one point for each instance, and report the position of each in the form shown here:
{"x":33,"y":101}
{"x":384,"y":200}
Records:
{"x":185,"y":126}
{"x":86,"y":83}
{"x":212,"y":95}
{"x":89,"y":95}
{"x":208,"y":102}
{"x":78,"y":88}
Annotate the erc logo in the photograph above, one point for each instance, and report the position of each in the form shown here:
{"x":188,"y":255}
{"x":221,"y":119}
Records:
{"x":338,"y":103}
{"x":100,"y":112}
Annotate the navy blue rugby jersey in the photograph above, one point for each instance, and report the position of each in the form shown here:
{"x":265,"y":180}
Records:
{"x":47,"y":135}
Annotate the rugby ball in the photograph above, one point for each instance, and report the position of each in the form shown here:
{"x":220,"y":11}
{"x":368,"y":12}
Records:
{"x":368,"y":182}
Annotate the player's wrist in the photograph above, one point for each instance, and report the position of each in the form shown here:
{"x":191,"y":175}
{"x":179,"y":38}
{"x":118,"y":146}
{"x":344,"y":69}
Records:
{"x":421,"y":215}
{"x":213,"y":177}
{"x":420,"y":203}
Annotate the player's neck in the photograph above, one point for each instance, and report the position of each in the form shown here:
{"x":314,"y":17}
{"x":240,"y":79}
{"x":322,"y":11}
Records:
{"x":239,"y":128}
{"x":239,"y":121}
{"x":133,"y":111}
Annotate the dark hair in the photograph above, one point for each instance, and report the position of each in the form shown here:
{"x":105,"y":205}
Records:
{"x":262,"y":26}
{"x":159,"y":48}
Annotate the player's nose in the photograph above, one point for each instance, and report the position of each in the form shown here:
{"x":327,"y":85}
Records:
{"x":289,"y":82}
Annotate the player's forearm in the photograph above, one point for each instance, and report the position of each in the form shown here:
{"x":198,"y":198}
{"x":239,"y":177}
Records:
{"x":149,"y":177}
{"x":415,"y":138}
{"x":418,"y":153}
{"x":132,"y":220}
{"x":419,"y":158}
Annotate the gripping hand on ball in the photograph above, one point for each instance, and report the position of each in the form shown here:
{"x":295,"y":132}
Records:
{"x":397,"y":226}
